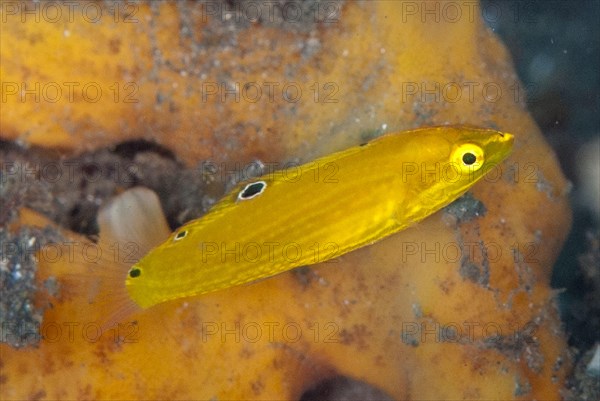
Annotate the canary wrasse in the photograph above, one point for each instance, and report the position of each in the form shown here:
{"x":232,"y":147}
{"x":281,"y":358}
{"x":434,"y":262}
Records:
{"x":303,"y":215}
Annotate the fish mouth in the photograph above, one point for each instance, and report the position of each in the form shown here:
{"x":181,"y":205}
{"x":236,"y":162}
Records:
{"x":509,"y":140}
{"x":499,"y":148}
{"x":506,"y":137}
{"x":505,"y":141}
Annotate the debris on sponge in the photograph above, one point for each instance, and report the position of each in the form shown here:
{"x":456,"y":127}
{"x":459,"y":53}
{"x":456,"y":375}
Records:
{"x":20,"y":317}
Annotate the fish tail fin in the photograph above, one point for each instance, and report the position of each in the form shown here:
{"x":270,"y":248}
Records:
{"x":93,"y":279}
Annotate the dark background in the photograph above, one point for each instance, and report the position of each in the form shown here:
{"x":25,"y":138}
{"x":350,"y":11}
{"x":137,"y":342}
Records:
{"x":555,"y":46}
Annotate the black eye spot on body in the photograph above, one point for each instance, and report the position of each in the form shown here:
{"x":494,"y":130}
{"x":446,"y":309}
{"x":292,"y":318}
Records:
{"x":133,"y":273}
{"x":180,"y":235}
{"x":252,"y":190}
{"x":469,"y":158}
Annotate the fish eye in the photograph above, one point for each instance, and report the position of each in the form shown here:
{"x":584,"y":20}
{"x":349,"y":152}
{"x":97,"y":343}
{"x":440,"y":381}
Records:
{"x":468,"y":157}
{"x":252,"y":190}
{"x":133,"y":273}
{"x":180,"y":235}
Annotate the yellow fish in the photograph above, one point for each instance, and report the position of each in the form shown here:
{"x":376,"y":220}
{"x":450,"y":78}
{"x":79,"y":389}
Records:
{"x":305,"y":215}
